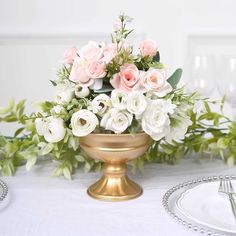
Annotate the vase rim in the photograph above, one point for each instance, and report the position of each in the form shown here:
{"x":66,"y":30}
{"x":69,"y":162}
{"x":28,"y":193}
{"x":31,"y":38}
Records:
{"x":117,"y":135}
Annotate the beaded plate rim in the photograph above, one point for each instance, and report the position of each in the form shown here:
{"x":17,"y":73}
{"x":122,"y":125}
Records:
{"x":195,"y":227}
{"x":4,"y":190}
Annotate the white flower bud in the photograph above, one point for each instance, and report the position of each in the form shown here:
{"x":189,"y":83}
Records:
{"x":81,"y":92}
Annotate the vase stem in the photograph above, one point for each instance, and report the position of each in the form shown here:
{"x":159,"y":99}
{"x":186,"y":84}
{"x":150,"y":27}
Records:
{"x":114,"y":185}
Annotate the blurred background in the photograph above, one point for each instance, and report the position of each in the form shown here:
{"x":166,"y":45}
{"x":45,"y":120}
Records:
{"x":199,"y":36}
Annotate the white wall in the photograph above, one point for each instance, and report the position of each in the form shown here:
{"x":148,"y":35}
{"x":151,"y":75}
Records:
{"x":34,"y":34}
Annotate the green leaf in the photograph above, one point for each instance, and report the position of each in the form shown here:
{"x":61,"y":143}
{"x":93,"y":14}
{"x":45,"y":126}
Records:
{"x":30,"y":162}
{"x":11,"y":104}
{"x":230,"y":161}
{"x":208,"y":109}
{"x":58,"y":171}
{"x":79,"y":158}
{"x":87,"y":167}
{"x":156,"y":58}
{"x":175,"y":78}
{"x":18,"y":131}
{"x":11,"y":148}
{"x":67,"y":173}
{"x":222,"y":103}
{"x":53,"y":82}
{"x":222,"y":143}
{"x":7,"y":168}
{"x":45,"y":148}
{"x":20,"y":105}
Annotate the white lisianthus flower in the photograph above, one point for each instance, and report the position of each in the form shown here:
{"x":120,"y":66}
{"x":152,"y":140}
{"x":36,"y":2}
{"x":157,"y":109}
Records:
{"x":101,"y":104}
{"x":64,"y":92}
{"x":136,"y":103}
{"x":51,"y":128}
{"x":116,"y":120}
{"x":119,"y":99}
{"x":83,"y":122}
{"x":178,"y":128}
{"x":81,"y":91}
{"x":155,"y":121}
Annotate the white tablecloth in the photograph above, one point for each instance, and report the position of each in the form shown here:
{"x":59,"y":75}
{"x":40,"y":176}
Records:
{"x":41,"y":205}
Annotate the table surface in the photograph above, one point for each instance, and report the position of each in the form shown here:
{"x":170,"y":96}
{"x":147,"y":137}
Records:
{"x":41,"y":205}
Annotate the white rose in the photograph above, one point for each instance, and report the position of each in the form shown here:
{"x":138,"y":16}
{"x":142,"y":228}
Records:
{"x":178,"y":128}
{"x":136,"y":103}
{"x":116,"y":120}
{"x":155,"y":121}
{"x":83,"y":122}
{"x":119,"y":99}
{"x":101,"y":104}
{"x":81,"y":91}
{"x":51,"y":128}
{"x":64,"y":93}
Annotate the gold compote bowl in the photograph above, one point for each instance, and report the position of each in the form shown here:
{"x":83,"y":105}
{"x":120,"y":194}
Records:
{"x":115,"y":150}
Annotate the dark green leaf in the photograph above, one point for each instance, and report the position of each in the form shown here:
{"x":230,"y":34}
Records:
{"x":18,"y":132}
{"x":53,"y":83}
{"x":175,"y":78}
{"x":156,"y":58}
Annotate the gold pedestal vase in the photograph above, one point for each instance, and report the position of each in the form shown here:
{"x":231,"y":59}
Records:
{"x":115,"y":150}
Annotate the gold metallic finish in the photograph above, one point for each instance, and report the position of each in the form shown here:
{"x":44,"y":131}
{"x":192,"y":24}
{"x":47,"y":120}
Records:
{"x":115,"y":150}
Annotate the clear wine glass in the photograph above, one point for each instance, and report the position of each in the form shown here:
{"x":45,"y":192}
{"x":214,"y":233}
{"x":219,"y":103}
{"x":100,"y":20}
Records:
{"x":201,"y":74}
{"x":226,"y":80}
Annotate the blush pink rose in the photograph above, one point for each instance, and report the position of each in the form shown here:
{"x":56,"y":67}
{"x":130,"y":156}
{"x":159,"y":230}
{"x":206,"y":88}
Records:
{"x":91,"y":51}
{"x":70,"y":55}
{"x":95,"y":70}
{"x":126,"y":79}
{"x":148,"y":48}
{"x":109,"y":52}
{"x":78,"y":73}
{"x":155,"y":80}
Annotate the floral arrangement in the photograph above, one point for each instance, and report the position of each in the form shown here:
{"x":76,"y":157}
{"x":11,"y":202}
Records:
{"x":106,"y":88}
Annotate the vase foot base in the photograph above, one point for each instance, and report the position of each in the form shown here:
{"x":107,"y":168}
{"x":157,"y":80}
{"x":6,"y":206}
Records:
{"x":114,"y":189}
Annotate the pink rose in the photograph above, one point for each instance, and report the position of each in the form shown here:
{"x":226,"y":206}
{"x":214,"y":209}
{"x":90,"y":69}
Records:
{"x":154,"y":80}
{"x":148,"y":48}
{"x":91,"y":51}
{"x":109,"y":52}
{"x":70,"y":55}
{"x":78,"y":73}
{"x":95,"y":70}
{"x":126,"y":79}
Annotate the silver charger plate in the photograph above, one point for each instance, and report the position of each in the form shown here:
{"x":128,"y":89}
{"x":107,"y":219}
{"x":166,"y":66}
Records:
{"x":3,"y":190}
{"x":172,"y":196}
